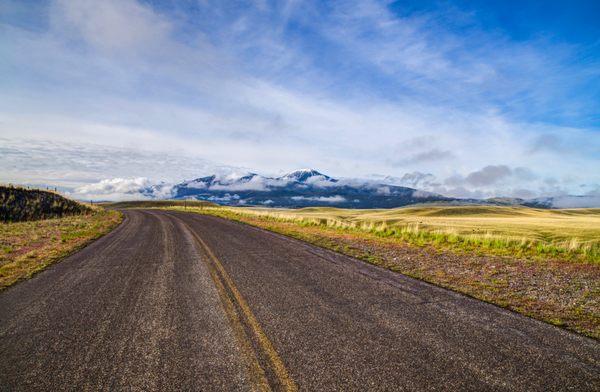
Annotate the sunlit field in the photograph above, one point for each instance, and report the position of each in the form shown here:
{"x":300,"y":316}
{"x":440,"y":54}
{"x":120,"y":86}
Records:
{"x":570,"y":234}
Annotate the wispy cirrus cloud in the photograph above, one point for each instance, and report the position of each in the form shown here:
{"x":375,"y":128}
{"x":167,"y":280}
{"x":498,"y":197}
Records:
{"x":349,"y":87}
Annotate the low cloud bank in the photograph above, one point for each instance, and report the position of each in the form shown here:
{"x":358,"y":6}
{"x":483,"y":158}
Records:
{"x":489,"y":181}
{"x":123,"y":189}
{"x":324,"y":199}
{"x":576,"y":201}
{"x":499,"y":181}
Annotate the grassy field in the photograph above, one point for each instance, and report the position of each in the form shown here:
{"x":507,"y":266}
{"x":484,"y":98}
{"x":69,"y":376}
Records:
{"x":29,"y":247}
{"x":513,"y":231}
{"x":541,"y":263}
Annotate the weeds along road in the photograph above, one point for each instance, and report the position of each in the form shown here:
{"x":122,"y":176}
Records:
{"x":175,"y":301}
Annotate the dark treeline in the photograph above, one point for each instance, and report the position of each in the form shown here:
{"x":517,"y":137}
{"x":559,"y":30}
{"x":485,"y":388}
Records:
{"x":20,"y":204}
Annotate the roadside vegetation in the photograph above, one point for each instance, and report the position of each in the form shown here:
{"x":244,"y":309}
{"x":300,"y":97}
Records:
{"x":29,"y":247}
{"x":40,"y":227}
{"x":19,"y":204}
{"x":541,"y":263}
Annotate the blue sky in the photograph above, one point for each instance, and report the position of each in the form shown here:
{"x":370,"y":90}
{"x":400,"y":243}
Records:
{"x":470,"y":98}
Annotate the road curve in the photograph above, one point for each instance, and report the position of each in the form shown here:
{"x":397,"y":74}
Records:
{"x":176,"y":301}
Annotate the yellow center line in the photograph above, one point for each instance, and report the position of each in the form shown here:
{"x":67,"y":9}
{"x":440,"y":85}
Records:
{"x":265,"y":344}
{"x":257,"y":373}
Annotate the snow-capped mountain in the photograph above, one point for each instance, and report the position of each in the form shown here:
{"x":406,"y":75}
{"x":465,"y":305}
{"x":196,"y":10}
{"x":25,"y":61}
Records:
{"x":308,"y":187}
{"x":306,"y":175}
{"x":301,"y":188}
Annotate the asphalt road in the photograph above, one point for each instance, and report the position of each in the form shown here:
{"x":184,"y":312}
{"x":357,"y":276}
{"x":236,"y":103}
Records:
{"x":175,"y":301}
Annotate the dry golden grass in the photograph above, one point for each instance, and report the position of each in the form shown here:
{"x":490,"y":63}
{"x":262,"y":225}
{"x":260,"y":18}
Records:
{"x":516,"y":231}
{"x":29,"y":247}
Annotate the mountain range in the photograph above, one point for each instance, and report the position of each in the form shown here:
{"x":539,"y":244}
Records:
{"x":309,"y":188}
{"x":300,"y":188}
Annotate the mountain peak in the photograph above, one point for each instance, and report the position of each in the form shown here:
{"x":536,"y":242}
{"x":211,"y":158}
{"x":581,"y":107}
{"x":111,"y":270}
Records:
{"x":304,"y":174}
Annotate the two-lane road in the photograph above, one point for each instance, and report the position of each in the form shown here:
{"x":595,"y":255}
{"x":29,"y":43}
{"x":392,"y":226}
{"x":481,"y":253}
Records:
{"x":176,"y":301}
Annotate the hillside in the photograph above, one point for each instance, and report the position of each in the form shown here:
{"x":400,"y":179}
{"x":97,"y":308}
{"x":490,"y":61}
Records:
{"x":20,"y":204}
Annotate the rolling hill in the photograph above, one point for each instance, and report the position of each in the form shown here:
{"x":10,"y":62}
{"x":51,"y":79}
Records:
{"x":20,"y":204}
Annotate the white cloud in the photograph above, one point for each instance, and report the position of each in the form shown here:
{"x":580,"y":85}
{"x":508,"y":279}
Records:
{"x":384,"y":190}
{"x":197,"y":185}
{"x":576,"y":202}
{"x":422,"y":194}
{"x":488,"y":175}
{"x":324,"y":199}
{"x":73,"y":164}
{"x":234,"y":181}
{"x":254,"y":184}
{"x":122,"y":189}
{"x":320,"y":181}
{"x":113,"y":25}
{"x":403,"y":94}
{"x":225,"y":198}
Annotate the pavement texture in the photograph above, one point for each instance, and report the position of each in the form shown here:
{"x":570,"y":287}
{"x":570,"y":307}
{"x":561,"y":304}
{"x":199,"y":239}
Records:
{"x":176,"y":301}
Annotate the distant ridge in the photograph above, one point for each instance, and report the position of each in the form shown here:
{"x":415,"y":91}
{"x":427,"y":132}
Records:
{"x":311,"y":188}
{"x":300,"y":188}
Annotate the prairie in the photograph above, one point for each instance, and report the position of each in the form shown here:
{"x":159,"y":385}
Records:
{"x":571,"y":234}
